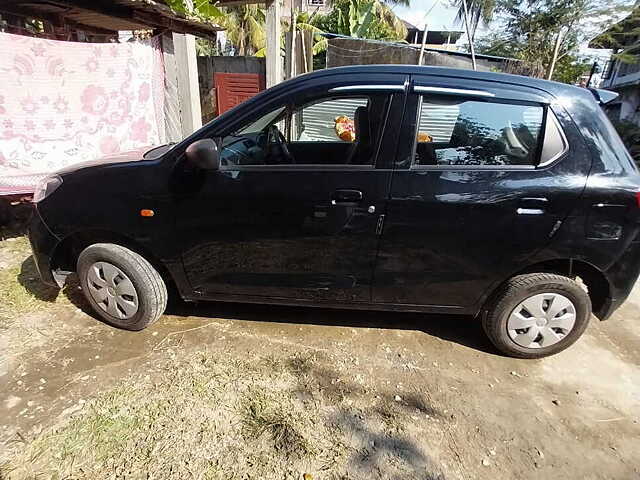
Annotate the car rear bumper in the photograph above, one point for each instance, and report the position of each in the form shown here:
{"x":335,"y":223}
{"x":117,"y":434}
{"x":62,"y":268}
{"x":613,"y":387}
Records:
{"x":43,"y":244}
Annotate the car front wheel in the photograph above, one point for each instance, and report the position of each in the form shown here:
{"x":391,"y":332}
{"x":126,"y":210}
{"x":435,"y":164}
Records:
{"x":122,"y":287}
{"x":537,"y":315}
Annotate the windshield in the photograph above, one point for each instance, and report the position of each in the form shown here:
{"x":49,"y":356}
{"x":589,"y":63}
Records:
{"x":157,"y":152}
{"x":262,"y":122}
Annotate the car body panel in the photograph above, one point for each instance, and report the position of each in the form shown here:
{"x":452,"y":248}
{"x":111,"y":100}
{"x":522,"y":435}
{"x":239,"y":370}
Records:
{"x":452,"y":263}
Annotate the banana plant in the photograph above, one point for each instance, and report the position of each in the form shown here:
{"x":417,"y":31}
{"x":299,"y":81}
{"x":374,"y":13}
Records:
{"x":304,"y":24}
{"x":359,"y":19}
{"x":201,"y":8}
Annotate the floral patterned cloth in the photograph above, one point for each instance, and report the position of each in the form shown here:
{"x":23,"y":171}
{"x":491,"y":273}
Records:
{"x":66,"y":102}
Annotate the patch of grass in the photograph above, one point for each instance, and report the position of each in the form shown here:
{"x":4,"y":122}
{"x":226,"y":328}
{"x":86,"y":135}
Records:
{"x":214,"y":416}
{"x":15,"y":300}
{"x":21,"y":290}
{"x":203,"y":416}
{"x":301,"y":364}
{"x":263,"y":413}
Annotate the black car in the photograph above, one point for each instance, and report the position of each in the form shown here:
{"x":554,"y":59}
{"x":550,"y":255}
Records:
{"x":376,"y":187}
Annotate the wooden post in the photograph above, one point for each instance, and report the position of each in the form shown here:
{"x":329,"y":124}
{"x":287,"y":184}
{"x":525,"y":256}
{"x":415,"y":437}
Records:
{"x":466,"y":26}
{"x":274,"y":32}
{"x":294,"y":62}
{"x":172,"y":124}
{"x":188,"y":89}
{"x":556,"y":50}
{"x":424,"y":43}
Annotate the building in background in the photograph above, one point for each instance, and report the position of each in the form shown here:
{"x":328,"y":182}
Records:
{"x":622,"y":72}
{"x":317,"y":7}
{"x":436,"y":39}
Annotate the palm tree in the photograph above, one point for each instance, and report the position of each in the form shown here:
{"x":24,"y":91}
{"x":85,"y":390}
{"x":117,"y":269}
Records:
{"x":245,"y":28}
{"x":479,"y":11}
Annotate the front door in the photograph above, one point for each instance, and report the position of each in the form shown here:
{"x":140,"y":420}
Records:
{"x":483,"y":184}
{"x":293,"y":212}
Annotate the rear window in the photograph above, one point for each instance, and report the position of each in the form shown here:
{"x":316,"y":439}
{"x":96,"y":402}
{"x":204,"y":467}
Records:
{"x":462,"y":132}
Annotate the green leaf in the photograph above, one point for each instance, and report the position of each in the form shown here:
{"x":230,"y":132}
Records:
{"x":365,"y":19}
{"x":207,"y":9}
{"x":177,"y":5}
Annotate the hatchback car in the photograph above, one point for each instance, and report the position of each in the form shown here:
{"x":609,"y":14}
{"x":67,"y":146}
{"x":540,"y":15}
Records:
{"x":436,"y":190}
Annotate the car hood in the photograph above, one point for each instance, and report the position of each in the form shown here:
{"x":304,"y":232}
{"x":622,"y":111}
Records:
{"x":122,"y":157}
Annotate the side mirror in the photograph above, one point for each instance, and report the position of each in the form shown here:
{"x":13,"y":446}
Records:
{"x":203,"y":154}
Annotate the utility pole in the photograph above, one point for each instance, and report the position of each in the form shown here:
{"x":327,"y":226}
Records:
{"x":466,"y":26}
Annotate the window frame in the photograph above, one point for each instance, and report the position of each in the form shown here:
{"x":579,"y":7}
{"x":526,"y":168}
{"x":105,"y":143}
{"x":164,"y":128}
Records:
{"x":488,"y":98}
{"x":552,"y":118}
{"x":348,"y":91}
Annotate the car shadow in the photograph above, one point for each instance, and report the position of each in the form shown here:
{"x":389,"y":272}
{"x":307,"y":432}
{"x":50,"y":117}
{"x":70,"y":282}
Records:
{"x":460,"y":329}
{"x":29,"y":279}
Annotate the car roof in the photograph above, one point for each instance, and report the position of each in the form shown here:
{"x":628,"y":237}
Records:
{"x":554,"y":88}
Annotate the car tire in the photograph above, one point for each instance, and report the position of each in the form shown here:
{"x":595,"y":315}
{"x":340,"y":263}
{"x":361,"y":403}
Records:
{"x":552,"y":312}
{"x":121,"y":286}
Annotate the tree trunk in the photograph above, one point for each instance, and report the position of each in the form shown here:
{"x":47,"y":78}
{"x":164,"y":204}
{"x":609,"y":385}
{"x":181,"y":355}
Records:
{"x":469,"y":37}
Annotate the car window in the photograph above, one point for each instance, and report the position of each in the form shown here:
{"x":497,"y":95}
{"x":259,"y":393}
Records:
{"x":263,"y":122}
{"x":463,"y":132}
{"x":328,"y":120}
{"x":327,"y":131}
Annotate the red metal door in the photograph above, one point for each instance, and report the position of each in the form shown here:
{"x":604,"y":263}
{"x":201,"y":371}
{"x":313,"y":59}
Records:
{"x":235,"y":88}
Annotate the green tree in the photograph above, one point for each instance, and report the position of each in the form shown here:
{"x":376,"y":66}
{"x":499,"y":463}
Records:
{"x":480,"y":11}
{"x":203,"y":9}
{"x":547,"y":33}
{"x":361,"y":19}
{"x":245,"y":28}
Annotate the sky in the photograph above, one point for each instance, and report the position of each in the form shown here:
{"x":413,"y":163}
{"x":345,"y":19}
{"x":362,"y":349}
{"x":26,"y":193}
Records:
{"x":442,"y":17}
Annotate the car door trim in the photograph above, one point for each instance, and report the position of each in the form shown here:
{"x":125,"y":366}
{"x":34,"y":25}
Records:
{"x":452,"y":91}
{"x":348,"y":88}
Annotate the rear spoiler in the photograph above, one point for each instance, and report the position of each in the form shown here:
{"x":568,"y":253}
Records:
{"x":604,"y":96}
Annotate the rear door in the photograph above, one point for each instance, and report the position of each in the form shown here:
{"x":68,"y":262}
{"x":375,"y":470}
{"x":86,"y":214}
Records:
{"x":485,"y":176}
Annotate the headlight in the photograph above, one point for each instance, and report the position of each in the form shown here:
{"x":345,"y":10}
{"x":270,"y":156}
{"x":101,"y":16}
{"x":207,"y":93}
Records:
{"x":46,"y":187}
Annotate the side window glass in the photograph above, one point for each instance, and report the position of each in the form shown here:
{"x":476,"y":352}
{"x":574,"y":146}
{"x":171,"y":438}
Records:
{"x":329,"y":131}
{"x":255,"y":143}
{"x":462,"y":132}
{"x":331,"y":120}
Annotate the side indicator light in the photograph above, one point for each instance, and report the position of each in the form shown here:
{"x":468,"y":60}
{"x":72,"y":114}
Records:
{"x":638,"y":198}
{"x":145,"y":212}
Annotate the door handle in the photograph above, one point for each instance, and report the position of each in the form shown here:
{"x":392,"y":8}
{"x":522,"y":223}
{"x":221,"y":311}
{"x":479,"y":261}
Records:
{"x":345,"y":196}
{"x":532,"y":206}
{"x":530,"y":211}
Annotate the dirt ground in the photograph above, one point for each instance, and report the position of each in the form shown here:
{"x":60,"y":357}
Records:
{"x":239,"y":391}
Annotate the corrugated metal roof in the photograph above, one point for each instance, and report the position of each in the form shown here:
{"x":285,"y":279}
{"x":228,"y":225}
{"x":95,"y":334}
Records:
{"x":318,"y":120}
{"x":114,"y":15}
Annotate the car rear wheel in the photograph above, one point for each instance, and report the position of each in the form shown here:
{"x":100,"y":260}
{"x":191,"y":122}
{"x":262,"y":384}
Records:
{"x":537,"y":315}
{"x":122,"y":287}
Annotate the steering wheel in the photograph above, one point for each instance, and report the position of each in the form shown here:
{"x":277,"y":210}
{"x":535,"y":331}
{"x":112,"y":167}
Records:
{"x":277,"y":145}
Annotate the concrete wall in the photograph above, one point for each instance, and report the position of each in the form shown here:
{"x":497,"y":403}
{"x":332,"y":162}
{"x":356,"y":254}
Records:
{"x":349,"y":51}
